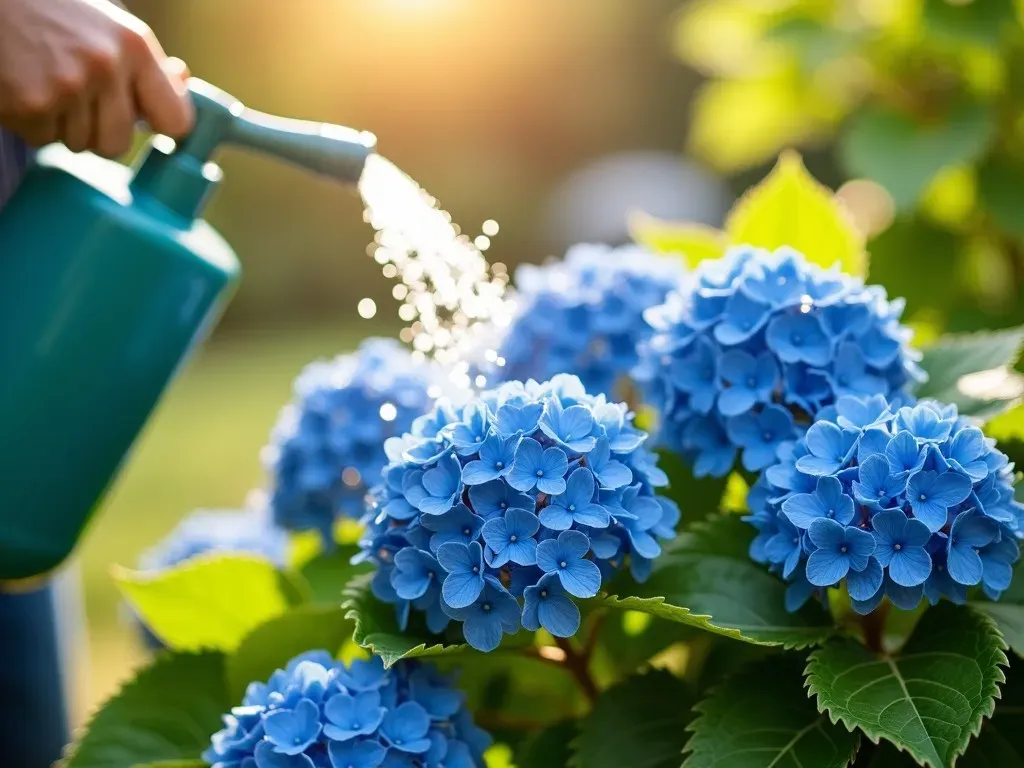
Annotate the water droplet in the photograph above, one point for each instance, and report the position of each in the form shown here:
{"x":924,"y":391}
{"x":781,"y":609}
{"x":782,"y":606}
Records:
{"x":388,"y":412}
{"x":367,"y":308}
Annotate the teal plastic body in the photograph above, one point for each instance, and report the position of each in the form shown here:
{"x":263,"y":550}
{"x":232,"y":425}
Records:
{"x":103,"y":291}
{"x":107,"y":279}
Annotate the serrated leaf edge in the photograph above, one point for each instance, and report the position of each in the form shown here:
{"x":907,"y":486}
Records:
{"x":1002,"y":647}
{"x":701,"y":620}
{"x":352,"y":593}
{"x":979,"y":607}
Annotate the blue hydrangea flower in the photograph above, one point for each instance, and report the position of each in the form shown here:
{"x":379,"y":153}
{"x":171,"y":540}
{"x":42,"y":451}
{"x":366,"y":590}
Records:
{"x":326,"y":449}
{"x":584,"y":314}
{"x":318,"y":713}
{"x":750,"y":347}
{"x":530,"y":492}
{"x":903,"y":502}
{"x":207,"y":531}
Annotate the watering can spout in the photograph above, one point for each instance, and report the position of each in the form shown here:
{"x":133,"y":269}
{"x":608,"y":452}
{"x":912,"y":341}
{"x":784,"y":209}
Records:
{"x":179,"y":175}
{"x":330,"y":150}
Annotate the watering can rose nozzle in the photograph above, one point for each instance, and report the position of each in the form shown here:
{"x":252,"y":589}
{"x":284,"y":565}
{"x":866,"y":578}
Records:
{"x":180,"y":174}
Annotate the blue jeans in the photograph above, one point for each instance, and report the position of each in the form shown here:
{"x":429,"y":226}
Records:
{"x":13,"y":159}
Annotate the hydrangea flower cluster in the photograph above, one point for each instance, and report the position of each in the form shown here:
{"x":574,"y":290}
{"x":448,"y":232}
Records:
{"x":319,"y":713}
{"x":902,"y":503}
{"x":327,"y":450}
{"x":585,"y":314}
{"x":756,"y":343}
{"x":531,"y":491}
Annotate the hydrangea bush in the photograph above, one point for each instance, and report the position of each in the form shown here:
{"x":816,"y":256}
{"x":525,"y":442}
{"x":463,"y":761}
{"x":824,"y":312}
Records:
{"x":752,"y":345}
{"x":327,"y":448}
{"x":845,"y":598}
{"x":530,"y":491}
{"x":584,"y":315}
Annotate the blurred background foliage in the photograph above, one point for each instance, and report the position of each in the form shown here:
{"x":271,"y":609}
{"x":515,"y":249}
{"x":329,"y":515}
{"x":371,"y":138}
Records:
{"x":557,"y":119}
{"x":921,"y":97}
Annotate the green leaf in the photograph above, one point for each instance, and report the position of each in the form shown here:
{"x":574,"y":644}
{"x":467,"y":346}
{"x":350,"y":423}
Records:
{"x":903,"y":156}
{"x":815,"y":44}
{"x":1007,"y":427}
{"x":706,"y":578}
{"x":511,"y":694}
{"x":791,"y":208}
{"x":167,"y":712}
{"x":211,"y":601}
{"x":639,"y":722}
{"x":972,"y":370}
{"x":1009,"y":619}
{"x":980,"y":22}
{"x":548,"y":748}
{"x":762,"y":716}
{"x":929,"y":700}
{"x":724,"y":658}
{"x":271,"y":645}
{"x":328,"y":572}
{"x":376,"y":627}
{"x":1001,"y":741}
{"x":999,"y":185}
{"x":693,"y":242}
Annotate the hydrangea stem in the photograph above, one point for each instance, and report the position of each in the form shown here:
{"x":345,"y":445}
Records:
{"x":873,"y":627}
{"x":578,"y":665}
{"x":490,"y":720}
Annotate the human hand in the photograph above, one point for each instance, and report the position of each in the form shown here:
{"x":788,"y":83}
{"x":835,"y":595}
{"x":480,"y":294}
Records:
{"x":83,"y":72}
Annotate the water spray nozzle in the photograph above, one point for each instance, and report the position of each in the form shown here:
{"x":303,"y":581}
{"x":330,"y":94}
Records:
{"x":181,"y":174}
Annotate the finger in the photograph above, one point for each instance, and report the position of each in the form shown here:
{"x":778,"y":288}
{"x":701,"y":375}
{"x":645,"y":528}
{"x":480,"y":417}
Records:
{"x":162,"y":99}
{"x":76,"y":124}
{"x":177,"y":68}
{"x":37,"y":132}
{"x":115,"y":121}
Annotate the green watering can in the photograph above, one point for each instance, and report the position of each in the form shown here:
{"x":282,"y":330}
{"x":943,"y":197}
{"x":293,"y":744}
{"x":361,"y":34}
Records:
{"x":108,"y":277}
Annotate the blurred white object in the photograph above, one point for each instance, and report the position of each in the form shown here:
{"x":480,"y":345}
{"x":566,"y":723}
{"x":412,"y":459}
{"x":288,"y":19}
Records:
{"x":593,"y":204}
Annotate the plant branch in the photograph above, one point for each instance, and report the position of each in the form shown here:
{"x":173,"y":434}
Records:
{"x":579,"y":666}
{"x":491,"y":720}
{"x":594,"y":635}
{"x":873,"y":627}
